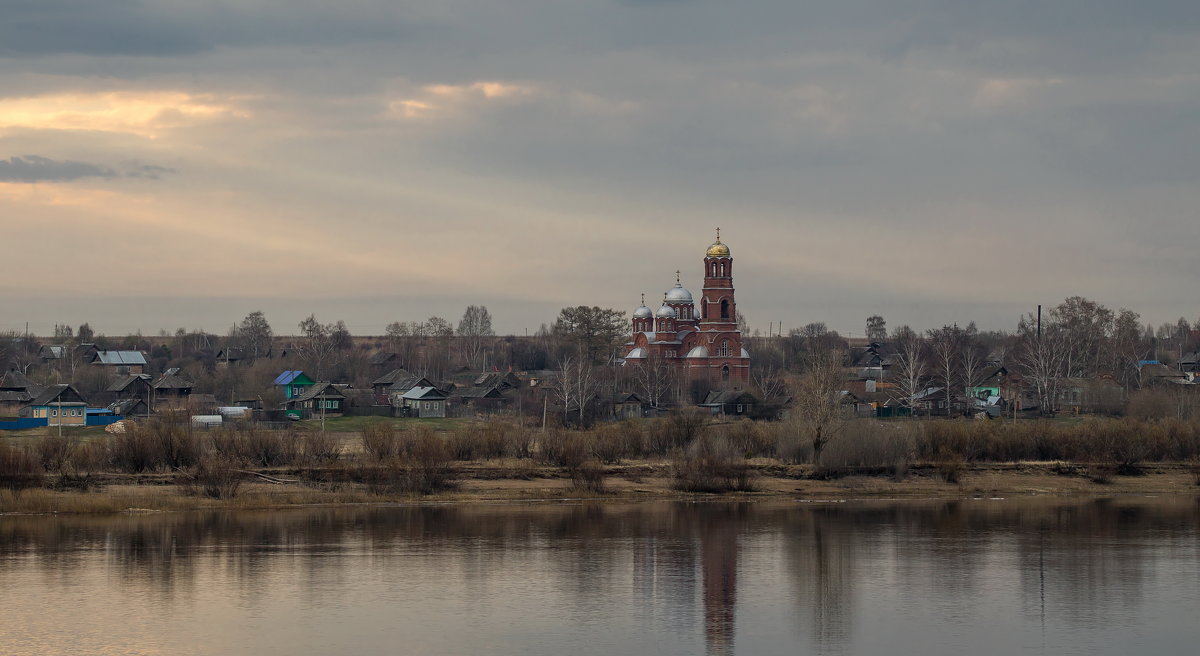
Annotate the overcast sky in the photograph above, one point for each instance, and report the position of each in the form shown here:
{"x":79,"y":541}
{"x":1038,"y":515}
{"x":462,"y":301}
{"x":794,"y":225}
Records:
{"x":171,"y":163}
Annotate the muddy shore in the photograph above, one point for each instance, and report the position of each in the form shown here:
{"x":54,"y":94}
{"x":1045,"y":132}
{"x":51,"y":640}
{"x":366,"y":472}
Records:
{"x":517,"y":481}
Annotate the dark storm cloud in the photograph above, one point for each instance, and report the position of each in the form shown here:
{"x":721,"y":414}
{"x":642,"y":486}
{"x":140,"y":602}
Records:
{"x":32,"y":168}
{"x":166,"y":28}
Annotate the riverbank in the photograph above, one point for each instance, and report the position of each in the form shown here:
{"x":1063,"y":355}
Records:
{"x":518,"y":481}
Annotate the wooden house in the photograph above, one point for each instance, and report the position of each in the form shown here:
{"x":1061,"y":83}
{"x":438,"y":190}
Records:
{"x":293,"y":384}
{"x":319,"y":399}
{"x":59,"y":405}
{"x":424,"y":401}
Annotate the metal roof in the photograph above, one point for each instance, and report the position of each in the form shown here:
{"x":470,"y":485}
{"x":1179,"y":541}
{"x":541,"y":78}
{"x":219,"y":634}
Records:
{"x":422,"y":393}
{"x":120,"y":357}
{"x":287,"y":377}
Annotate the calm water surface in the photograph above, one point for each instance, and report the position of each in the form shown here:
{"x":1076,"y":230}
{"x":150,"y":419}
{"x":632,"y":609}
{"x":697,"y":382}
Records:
{"x":1038,"y":576}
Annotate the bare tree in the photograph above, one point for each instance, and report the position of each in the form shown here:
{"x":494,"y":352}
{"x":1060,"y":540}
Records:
{"x":945,"y":347}
{"x":1042,"y":357}
{"x":578,"y":385}
{"x":318,"y":347}
{"x":909,"y":366}
{"x":654,"y":378}
{"x":819,"y":412}
{"x":474,"y":330}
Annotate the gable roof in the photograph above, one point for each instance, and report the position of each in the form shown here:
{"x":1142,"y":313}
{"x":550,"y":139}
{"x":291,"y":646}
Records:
{"x":14,"y":380}
{"x":52,"y":392}
{"x":424,"y":393}
{"x":289,"y":377}
{"x":117,"y":358}
{"x":409,"y":383}
{"x":126,"y":406}
{"x":729,"y":396}
{"x":320,"y":390}
{"x":173,"y":381}
{"x":391,"y":377}
{"x":479,"y":393}
{"x":121,"y":384}
{"x":15,"y":396}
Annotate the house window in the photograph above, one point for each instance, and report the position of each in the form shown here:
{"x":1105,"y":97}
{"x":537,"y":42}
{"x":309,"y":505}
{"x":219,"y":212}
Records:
{"x":54,"y":413}
{"x":739,"y":408}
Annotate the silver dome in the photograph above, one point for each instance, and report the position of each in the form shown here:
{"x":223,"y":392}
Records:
{"x":665,"y":312}
{"x":678,"y":294}
{"x":643,"y":312}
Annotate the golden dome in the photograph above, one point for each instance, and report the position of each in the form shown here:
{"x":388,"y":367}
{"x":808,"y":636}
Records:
{"x":718,"y":250}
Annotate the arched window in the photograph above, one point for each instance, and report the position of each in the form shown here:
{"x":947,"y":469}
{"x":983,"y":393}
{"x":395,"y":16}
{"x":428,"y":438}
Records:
{"x":704,"y":308}
{"x":724,"y":308}
{"x":722,"y":269}
{"x":725,"y":372}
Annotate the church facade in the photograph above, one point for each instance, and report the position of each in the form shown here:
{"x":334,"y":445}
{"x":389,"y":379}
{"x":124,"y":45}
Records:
{"x":706,"y":343}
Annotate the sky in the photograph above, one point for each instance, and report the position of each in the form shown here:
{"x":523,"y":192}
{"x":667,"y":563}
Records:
{"x":168,"y":163}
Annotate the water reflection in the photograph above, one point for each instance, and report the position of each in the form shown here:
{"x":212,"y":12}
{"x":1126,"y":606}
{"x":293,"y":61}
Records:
{"x":859,"y":577}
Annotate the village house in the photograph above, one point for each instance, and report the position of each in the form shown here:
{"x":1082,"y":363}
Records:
{"x":319,"y":399}
{"x":424,"y":401}
{"x":15,"y":393}
{"x":172,"y":389}
{"x":59,"y":405}
{"x":122,"y":363}
{"x":293,"y":384}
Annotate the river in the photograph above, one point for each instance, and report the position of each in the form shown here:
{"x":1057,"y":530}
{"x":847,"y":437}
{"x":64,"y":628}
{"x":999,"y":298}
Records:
{"x":973,"y":576}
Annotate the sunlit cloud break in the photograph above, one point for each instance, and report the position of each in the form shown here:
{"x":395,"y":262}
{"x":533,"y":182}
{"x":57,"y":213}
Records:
{"x":147,"y":114}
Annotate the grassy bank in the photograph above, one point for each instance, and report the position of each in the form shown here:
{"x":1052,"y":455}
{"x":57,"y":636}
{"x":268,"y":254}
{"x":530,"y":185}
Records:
{"x":163,"y":466}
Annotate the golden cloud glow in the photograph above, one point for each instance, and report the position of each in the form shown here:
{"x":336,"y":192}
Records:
{"x":146,"y":114}
{"x":440,"y":99}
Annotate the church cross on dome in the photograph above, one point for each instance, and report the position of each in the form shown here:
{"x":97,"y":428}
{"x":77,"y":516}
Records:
{"x":677,"y":277}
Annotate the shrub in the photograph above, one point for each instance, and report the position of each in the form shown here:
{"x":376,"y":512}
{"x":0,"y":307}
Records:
{"x":379,"y":439}
{"x":134,"y":451}
{"x":422,"y":467}
{"x":268,"y":448}
{"x":751,"y":439}
{"x":19,"y":469}
{"x":791,"y":445}
{"x":320,"y":447}
{"x":952,"y":469}
{"x":676,"y":431}
{"x":711,"y":464}
{"x":866,"y":447}
{"x":214,"y":476}
{"x":55,"y":452}
{"x":588,"y":477}
{"x":614,"y":441}
{"x":564,"y":448}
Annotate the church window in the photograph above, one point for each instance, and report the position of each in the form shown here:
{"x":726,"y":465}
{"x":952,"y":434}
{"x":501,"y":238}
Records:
{"x":724,"y":308}
{"x":725,"y":372}
{"x":724,"y":350}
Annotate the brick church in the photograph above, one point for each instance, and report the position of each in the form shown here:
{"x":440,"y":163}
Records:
{"x":708,"y":344}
